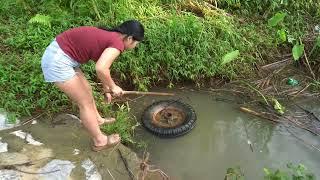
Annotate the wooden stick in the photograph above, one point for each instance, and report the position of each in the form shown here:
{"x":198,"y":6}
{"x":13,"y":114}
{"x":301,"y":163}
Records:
{"x":146,"y":93}
{"x":307,"y":61}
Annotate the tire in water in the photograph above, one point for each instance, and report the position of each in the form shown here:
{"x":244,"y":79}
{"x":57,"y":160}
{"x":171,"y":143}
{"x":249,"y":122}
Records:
{"x":185,"y":114}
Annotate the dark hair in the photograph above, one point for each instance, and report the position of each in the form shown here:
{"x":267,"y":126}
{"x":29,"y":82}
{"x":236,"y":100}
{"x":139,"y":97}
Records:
{"x":130,"y":28}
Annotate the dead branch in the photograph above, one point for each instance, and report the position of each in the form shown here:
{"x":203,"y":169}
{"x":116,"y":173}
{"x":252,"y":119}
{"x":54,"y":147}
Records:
{"x":309,"y":113}
{"x":301,"y":91}
{"x":145,"y":168}
{"x":31,"y":119}
{"x":126,"y":165}
{"x":277,"y":64}
{"x":300,"y":126}
{"x":303,"y":141}
{"x":263,"y":115}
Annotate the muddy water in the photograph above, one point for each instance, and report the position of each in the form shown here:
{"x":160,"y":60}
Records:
{"x":67,"y":140}
{"x":219,"y":141}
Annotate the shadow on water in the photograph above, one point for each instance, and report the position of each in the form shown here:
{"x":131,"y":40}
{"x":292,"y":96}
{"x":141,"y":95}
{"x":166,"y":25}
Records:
{"x":220,"y":140}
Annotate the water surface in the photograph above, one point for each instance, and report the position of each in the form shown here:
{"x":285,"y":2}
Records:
{"x":219,"y":141}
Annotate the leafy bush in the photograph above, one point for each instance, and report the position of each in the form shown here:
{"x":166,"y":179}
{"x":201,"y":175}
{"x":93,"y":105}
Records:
{"x":299,"y":172}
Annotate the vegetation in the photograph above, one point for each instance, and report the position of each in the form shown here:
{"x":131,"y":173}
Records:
{"x":188,"y":40}
{"x":298,"y":172}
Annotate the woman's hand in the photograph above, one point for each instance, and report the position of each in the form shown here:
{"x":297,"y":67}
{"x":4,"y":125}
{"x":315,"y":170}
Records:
{"x":116,"y":90}
{"x":107,"y":94}
{"x":108,"y":97}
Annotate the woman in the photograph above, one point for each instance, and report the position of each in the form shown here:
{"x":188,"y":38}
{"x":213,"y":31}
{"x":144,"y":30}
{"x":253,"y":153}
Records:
{"x":62,"y":58}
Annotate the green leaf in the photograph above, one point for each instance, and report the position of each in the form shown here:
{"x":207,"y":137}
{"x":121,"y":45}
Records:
{"x":230,"y":57}
{"x":297,"y":51}
{"x":276,"y":19}
{"x":282,"y":35}
{"x":266,"y":171}
{"x":318,"y":41}
{"x":41,"y":19}
{"x":277,"y":106}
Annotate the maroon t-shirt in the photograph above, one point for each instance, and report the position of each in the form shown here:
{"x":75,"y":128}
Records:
{"x":85,"y":43}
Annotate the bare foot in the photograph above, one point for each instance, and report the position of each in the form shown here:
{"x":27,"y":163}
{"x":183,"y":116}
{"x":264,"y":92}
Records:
{"x":102,"y":121}
{"x":106,"y":142}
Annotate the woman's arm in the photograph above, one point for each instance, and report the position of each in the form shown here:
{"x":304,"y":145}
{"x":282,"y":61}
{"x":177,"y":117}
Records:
{"x":103,"y":69}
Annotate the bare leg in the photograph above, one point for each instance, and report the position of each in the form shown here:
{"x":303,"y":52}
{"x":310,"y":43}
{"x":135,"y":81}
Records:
{"x":76,"y":90}
{"x":88,"y":87}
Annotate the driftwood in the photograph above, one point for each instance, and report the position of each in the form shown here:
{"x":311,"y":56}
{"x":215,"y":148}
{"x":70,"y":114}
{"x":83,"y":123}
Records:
{"x":263,"y":115}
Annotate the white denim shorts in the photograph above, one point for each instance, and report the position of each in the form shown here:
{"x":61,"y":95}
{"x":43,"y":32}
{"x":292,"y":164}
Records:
{"x":56,"y":65}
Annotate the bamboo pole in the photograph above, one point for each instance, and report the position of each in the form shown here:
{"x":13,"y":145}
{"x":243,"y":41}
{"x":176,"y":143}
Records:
{"x":145,"y":93}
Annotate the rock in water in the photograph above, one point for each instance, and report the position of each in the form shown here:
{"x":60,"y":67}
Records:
{"x":91,"y":170}
{"x":10,"y":159}
{"x":57,"y":170}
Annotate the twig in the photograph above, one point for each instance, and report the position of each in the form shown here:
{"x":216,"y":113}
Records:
{"x":309,"y":112}
{"x":248,"y":139}
{"x":284,"y":62}
{"x":27,"y":172}
{"x":13,"y":167}
{"x":264,"y":98}
{"x":227,"y":90}
{"x":31,"y":119}
{"x":307,"y":61}
{"x":126,"y":165}
{"x":135,"y":99}
{"x":305,"y":128}
{"x":113,"y":149}
{"x":110,"y":174}
{"x":301,"y":91}
{"x":303,"y":141}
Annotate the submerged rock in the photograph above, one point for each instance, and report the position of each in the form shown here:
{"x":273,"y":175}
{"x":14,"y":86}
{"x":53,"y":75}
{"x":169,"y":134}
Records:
{"x":14,"y":158}
{"x":57,"y":170}
{"x":9,"y":175}
{"x":91,"y":170}
{"x":3,"y":146}
{"x":27,"y":137}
